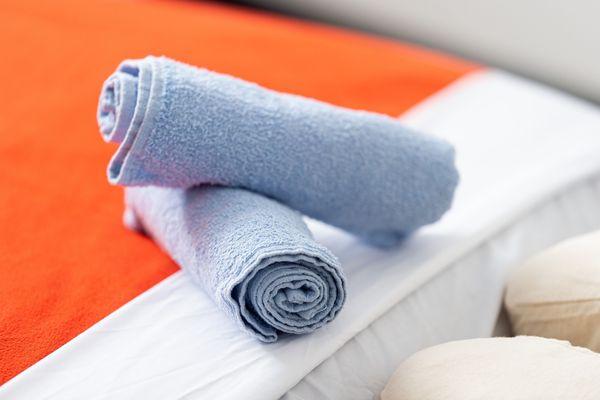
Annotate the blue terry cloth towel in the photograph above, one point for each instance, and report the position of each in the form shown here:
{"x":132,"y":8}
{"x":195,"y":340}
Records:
{"x":253,"y":255}
{"x":181,"y":126}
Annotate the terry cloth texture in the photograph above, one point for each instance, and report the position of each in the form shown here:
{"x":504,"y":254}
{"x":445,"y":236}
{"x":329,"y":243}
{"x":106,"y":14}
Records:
{"x":254,"y":256}
{"x":180,"y":126}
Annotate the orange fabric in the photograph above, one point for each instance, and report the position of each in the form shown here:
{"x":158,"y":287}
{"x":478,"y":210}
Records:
{"x":65,"y":259}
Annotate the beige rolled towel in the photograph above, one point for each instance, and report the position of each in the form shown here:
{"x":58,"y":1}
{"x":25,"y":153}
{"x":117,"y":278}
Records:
{"x":556,"y":293}
{"x":519,"y":368}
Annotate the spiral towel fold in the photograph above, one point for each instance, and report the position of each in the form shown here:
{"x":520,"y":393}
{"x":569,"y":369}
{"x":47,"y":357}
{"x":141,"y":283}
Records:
{"x":180,"y":126}
{"x":254,"y":256}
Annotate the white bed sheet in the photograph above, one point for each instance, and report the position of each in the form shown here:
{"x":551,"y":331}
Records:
{"x":529,"y":159}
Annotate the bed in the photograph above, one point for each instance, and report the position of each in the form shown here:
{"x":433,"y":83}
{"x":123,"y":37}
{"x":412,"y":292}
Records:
{"x":94,"y":311}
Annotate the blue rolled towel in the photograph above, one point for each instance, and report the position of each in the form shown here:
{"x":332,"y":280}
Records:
{"x":254,"y":256}
{"x":181,"y":126}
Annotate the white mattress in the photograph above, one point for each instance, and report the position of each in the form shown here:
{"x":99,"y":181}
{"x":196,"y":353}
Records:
{"x":530,"y":164}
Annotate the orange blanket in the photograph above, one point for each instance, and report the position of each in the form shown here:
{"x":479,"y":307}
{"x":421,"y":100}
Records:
{"x":65,"y":259}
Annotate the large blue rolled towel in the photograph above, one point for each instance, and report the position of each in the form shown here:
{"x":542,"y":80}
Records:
{"x":254,"y":256}
{"x":180,"y":126}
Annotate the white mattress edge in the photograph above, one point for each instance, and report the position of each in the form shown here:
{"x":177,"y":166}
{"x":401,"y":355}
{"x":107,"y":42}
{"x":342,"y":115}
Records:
{"x":369,"y":374}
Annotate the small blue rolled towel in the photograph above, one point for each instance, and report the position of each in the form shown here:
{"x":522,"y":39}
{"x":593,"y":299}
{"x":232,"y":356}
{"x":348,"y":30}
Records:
{"x":181,"y":126}
{"x":254,"y":256}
